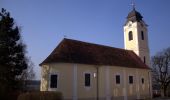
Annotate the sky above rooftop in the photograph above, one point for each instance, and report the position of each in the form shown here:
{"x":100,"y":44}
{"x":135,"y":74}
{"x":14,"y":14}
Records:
{"x":44,"y":23}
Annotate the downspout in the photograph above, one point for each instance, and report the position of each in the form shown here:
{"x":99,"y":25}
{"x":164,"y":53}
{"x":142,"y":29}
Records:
{"x":150,"y":91}
{"x":97,"y":72}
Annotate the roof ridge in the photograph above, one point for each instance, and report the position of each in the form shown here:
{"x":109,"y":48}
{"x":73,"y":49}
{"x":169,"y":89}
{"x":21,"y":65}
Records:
{"x":94,"y":44}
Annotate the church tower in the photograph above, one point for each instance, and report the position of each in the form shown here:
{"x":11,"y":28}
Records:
{"x":136,"y":36}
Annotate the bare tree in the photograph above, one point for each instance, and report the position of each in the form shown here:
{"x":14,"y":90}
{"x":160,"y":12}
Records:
{"x":28,"y":74}
{"x":161,"y":70}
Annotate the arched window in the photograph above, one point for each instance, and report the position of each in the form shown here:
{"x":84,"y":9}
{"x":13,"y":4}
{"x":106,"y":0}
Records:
{"x":130,"y":36}
{"x":142,"y":35}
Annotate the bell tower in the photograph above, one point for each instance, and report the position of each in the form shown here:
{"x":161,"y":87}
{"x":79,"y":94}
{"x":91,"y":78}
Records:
{"x":136,"y":36}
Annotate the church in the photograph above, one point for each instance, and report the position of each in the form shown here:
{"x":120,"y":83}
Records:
{"x":88,"y":71}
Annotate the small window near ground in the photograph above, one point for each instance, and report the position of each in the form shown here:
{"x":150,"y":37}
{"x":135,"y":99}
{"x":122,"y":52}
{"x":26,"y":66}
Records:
{"x":87,"y":79}
{"x":117,"y":79}
{"x":53,"y":81}
{"x":142,"y":35}
{"x":142,"y":80}
{"x":130,"y":79}
{"x":130,"y":36}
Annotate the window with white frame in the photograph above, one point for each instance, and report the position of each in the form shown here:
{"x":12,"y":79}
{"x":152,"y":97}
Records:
{"x":117,"y":79}
{"x":87,"y":79}
{"x":53,"y":80}
{"x":130,"y":79}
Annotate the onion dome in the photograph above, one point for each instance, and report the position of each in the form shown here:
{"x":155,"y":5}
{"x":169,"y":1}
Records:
{"x":134,"y":16}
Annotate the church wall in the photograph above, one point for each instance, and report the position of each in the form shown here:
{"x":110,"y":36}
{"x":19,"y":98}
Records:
{"x":108,"y":89}
{"x":65,"y":78}
{"x":147,"y":58}
{"x":144,"y":88}
{"x":84,"y":92}
{"x":44,"y":78}
{"x":136,"y":90}
{"x":116,"y":89}
{"x":102,"y":84}
{"x":143,"y":44}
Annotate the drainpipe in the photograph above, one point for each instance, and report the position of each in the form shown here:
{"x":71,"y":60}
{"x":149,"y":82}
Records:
{"x":150,"y":79}
{"x":97,"y":84}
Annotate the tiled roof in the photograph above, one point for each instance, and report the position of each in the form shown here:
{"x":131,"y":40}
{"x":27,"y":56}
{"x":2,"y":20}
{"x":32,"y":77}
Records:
{"x":73,"y":51}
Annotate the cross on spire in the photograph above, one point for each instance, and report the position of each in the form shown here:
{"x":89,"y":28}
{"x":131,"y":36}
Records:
{"x":65,"y":36}
{"x":133,"y":4}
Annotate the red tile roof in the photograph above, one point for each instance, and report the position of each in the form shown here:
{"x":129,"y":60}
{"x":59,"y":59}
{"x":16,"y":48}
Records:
{"x":73,"y":51}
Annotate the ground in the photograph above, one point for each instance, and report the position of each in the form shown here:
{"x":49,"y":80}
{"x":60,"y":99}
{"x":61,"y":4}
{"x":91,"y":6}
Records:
{"x":161,"y":98}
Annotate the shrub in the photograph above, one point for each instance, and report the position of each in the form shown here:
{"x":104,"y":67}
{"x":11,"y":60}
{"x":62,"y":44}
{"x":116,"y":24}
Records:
{"x":9,"y":95}
{"x":45,"y":95}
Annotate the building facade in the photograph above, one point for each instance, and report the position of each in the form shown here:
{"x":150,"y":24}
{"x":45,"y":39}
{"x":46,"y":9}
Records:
{"x":87,"y":71}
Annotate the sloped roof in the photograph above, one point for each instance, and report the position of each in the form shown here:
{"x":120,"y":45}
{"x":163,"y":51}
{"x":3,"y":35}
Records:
{"x":73,"y":51}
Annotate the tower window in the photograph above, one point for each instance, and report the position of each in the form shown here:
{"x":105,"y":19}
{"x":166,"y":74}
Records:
{"x":142,"y":35}
{"x":130,"y":36}
{"x":144,"y":60}
{"x":142,"y":79}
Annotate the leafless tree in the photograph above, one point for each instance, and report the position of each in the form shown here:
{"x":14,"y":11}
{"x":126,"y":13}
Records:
{"x":161,"y":70}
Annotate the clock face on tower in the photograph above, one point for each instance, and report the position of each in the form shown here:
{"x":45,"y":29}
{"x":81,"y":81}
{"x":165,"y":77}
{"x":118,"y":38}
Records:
{"x":130,"y":24}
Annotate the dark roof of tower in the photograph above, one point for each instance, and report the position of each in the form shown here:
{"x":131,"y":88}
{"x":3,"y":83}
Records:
{"x":134,"y":16}
{"x":73,"y":51}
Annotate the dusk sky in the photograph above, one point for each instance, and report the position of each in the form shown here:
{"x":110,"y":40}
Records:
{"x":44,"y":23}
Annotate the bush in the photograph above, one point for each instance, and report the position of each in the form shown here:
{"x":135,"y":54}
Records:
{"x":6,"y":94}
{"x":45,"y":95}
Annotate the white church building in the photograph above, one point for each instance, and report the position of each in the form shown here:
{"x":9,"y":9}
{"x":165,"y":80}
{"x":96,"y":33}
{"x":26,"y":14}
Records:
{"x":88,"y":71}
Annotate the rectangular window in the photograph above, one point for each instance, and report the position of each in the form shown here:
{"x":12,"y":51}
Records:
{"x":131,"y":79}
{"x":142,"y":35}
{"x":87,"y":79}
{"x":144,"y":59}
{"x":142,"y":80}
{"x":53,"y":81}
{"x":117,"y":79}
